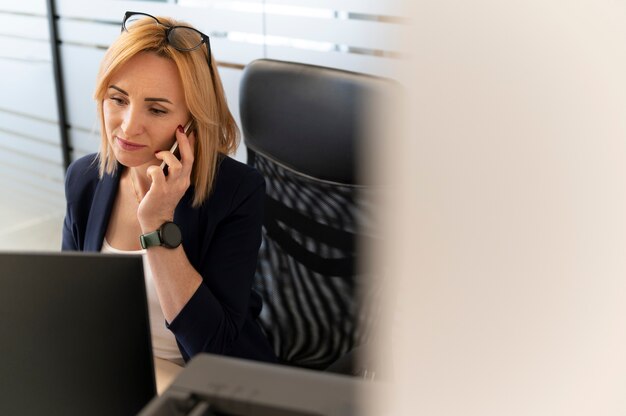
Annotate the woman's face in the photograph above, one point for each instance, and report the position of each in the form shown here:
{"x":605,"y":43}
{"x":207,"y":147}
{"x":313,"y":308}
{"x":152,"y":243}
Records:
{"x":143,"y":106}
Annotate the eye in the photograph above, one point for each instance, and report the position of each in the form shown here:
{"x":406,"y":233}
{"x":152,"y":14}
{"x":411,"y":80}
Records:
{"x":157,"y":111}
{"x":117,"y":100}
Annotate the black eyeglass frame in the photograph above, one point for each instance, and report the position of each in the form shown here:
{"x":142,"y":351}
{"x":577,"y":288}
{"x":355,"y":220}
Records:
{"x":168,"y":31}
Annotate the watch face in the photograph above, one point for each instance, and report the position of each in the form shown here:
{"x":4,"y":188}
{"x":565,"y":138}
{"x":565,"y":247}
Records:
{"x":170,"y":235}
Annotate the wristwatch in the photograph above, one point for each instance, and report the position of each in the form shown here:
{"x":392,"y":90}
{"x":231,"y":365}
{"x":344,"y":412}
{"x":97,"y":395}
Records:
{"x":168,"y":235}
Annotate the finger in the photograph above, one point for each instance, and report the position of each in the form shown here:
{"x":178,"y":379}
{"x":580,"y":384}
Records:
{"x":156,"y":175}
{"x":169,"y":159}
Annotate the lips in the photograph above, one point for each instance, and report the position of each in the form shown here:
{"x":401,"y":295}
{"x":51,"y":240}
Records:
{"x":130,"y":146}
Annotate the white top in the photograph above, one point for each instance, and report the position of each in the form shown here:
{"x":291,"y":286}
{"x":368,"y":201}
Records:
{"x":163,"y":340}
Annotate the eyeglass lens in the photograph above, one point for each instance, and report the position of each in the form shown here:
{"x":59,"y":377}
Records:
{"x":184,"y":38}
{"x":135,"y":20}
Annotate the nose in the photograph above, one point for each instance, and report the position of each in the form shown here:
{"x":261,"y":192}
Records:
{"x":132,"y":123}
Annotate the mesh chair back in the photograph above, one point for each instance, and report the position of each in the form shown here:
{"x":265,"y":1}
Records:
{"x":301,"y":124}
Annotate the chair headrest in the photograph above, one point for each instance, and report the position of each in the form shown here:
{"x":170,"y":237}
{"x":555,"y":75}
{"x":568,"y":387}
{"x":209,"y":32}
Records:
{"x":311,"y":119}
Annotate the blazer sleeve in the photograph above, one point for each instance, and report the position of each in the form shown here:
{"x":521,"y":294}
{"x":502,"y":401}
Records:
{"x":212,"y":319}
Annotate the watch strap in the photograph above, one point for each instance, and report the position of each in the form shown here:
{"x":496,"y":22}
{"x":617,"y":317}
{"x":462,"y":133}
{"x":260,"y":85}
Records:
{"x":150,"y":240}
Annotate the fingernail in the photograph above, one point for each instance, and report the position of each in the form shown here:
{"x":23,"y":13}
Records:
{"x":180,"y":129}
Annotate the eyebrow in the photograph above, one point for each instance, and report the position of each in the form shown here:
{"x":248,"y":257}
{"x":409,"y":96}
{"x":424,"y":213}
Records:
{"x":145,"y":99}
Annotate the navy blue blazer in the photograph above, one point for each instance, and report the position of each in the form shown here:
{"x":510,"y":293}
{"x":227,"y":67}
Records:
{"x":221,"y":240}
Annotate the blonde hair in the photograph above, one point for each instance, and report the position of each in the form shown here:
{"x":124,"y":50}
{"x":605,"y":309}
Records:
{"x":215,"y":129}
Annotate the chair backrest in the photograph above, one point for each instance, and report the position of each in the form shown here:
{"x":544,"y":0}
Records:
{"x":303,"y":128}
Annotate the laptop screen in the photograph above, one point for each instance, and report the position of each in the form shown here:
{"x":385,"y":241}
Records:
{"x":75,"y":337}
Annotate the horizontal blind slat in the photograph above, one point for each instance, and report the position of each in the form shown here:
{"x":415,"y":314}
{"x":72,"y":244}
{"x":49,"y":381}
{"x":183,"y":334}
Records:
{"x":80,"y":66}
{"x":362,"y":34}
{"x":30,"y":6}
{"x":29,"y":90}
{"x":84,"y":142}
{"x":371,"y":7}
{"x":383,"y":67}
{"x":45,"y":152}
{"x":27,"y":50}
{"x":44,"y":170}
{"x":87,"y":33}
{"x":29,"y":126}
{"x":35,"y":27}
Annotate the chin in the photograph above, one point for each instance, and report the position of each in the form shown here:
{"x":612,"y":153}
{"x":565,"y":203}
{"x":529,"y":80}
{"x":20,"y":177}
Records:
{"x":132,"y":160}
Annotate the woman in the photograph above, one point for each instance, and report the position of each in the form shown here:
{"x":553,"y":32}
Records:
{"x":153,"y":80}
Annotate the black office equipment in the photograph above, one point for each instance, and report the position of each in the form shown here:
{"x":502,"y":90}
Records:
{"x":306,"y":128}
{"x":75,"y":335}
{"x":218,"y":385}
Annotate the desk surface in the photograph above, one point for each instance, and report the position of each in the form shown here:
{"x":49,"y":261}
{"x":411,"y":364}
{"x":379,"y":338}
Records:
{"x":165,"y":373}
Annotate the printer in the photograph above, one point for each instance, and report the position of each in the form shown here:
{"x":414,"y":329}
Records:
{"x":219,"y":385}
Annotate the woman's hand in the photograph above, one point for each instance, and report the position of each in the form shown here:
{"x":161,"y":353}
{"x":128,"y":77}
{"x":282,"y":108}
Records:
{"x":165,"y":192}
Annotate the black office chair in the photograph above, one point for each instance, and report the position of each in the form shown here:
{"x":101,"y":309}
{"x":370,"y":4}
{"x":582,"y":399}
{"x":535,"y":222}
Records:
{"x":303,"y":128}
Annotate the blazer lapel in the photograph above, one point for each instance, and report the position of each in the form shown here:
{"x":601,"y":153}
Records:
{"x":100,"y":211}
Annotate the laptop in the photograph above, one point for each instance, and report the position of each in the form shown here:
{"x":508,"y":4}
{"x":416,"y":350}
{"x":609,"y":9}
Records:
{"x":74,"y":335}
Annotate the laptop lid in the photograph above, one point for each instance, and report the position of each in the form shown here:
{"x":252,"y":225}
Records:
{"x":75,"y":334}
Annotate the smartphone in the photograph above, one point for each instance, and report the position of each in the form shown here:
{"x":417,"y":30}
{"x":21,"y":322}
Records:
{"x":174,"y":148}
